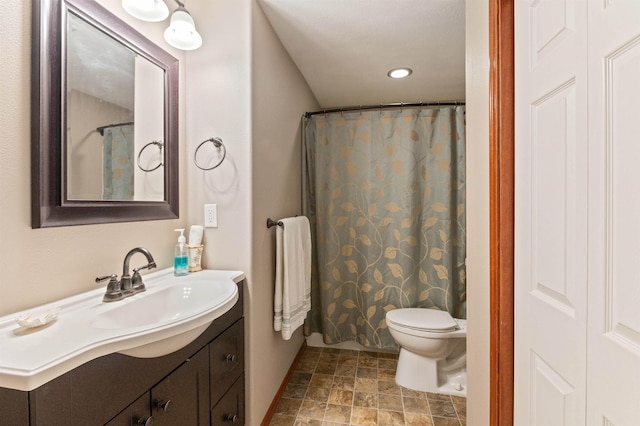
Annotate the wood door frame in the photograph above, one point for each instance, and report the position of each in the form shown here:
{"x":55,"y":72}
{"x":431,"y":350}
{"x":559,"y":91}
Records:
{"x":501,"y":209}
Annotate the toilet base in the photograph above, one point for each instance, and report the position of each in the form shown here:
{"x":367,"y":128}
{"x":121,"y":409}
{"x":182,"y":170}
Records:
{"x":421,"y":374}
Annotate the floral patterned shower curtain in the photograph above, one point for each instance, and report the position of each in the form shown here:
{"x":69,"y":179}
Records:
{"x":385,"y":194}
{"x":118,"y":161}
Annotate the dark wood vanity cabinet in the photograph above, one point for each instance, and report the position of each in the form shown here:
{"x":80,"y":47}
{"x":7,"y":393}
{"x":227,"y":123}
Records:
{"x":180,"y":399}
{"x":200,"y":384}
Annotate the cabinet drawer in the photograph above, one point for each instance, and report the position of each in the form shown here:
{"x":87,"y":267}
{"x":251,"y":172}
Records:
{"x":230,"y":409}
{"x":227,"y":360}
{"x":136,"y":414}
{"x":182,"y":398}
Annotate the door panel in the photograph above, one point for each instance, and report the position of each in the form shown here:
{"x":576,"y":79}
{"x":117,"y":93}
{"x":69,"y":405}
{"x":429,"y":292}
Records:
{"x":550,"y":213}
{"x":614,"y":208}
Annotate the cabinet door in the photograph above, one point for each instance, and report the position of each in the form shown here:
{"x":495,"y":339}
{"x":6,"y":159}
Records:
{"x":14,"y":407}
{"x":136,"y":414}
{"x":227,"y":360}
{"x":230,"y":409}
{"x":182,"y":398}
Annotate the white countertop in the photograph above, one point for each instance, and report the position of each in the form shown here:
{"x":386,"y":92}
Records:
{"x":30,"y":357}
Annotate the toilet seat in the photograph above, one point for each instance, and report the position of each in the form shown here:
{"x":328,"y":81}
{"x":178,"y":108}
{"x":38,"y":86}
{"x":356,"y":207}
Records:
{"x":422,"y":320}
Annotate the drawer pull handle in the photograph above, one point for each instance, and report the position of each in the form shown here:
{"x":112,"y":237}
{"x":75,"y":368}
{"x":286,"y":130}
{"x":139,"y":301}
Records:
{"x":164,"y":405}
{"x":145,"y":421}
{"x":232,"y":358}
{"x":233,"y":418}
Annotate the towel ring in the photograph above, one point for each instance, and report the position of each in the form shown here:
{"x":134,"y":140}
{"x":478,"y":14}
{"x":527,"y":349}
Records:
{"x":160,"y":145}
{"x":217,"y":142}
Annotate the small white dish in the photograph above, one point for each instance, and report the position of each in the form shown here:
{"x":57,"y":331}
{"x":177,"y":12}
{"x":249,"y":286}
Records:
{"x":33,"y":320}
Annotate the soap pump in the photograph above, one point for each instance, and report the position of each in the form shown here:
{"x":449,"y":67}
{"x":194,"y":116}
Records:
{"x":180,"y":260}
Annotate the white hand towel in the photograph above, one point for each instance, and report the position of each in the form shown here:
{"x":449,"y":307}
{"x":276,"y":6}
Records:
{"x":292,"y":298}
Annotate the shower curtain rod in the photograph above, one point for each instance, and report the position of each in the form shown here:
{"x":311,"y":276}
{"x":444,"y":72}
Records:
{"x":101,"y":128}
{"x":384,"y":106}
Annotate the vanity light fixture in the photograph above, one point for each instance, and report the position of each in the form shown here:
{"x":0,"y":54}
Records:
{"x":181,"y":32}
{"x":146,"y":10}
{"x":400,"y":72}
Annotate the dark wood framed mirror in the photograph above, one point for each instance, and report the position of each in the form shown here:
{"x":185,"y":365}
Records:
{"x":78,"y":119}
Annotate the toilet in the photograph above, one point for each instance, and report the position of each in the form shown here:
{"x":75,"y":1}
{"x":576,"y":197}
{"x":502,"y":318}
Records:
{"x":432,"y":350}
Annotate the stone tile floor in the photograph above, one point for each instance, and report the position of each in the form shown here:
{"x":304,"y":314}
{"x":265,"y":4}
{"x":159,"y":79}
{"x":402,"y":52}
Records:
{"x":337,"y":387}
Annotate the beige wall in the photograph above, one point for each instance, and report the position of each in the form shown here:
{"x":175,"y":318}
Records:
{"x":280,"y":96}
{"x":477,"y":87}
{"x":41,"y":265}
{"x":244,"y":88}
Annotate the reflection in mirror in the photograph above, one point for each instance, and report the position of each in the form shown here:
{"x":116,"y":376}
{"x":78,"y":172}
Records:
{"x":114,"y":108}
{"x":104,"y":119}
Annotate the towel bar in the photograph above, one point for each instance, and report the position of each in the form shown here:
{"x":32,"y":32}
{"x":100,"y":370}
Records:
{"x":271,"y":223}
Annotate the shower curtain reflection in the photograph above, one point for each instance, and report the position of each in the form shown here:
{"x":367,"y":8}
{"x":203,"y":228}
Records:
{"x":385,"y":194}
{"x":118,"y":161}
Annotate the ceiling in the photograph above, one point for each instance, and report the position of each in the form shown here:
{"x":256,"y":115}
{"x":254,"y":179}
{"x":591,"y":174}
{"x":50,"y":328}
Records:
{"x":344,"y":48}
{"x":98,"y":65}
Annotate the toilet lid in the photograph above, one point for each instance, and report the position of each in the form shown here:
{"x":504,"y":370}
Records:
{"x":423,"y":319}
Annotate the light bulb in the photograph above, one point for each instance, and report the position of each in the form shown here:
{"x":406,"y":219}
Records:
{"x":399,"y":72}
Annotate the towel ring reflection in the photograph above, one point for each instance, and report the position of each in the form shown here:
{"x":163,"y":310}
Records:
{"x":217,"y":142}
{"x":160,"y":145}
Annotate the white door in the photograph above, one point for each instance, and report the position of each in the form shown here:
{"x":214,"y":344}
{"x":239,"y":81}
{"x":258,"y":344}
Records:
{"x":577,"y":307}
{"x":551,"y":212}
{"x":613,"y":354}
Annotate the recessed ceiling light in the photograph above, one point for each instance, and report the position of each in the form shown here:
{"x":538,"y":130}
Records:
{"x":399,"y":72}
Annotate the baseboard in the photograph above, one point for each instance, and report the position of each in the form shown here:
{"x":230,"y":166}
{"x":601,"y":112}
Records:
{"x":276,"y":399}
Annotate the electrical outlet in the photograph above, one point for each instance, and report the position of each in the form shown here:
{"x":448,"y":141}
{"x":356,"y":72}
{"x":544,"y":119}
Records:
{"x":210,"y":215}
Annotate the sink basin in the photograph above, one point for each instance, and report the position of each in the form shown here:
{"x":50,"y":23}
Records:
{"x":168,"y":316}
{"x":165,"y":305}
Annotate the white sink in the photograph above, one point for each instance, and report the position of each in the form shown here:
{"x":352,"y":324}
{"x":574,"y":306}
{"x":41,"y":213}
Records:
{"x":188,"y":295}
{"x":168,"y":316}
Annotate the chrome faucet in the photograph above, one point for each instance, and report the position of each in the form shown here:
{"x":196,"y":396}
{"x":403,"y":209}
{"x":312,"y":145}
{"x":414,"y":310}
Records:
{"x":128,"y":285}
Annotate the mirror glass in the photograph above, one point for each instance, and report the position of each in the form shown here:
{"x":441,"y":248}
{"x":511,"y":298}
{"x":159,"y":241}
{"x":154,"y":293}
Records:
{"x":104,"y":119}
{"x":114,"y":109}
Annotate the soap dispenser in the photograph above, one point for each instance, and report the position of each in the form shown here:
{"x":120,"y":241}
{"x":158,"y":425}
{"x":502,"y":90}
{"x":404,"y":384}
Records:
{"x":180,"y":261}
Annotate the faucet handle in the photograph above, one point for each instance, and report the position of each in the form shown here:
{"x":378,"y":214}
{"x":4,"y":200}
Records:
{"x":136,"y":279}
{"x":106,"y":277}
{"x":149,"y":265}
{"x":114,"y":291}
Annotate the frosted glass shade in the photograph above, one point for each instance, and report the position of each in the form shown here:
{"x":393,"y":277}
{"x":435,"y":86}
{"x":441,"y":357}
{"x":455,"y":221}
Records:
{"x":182,"y":33}
{"x":146,"y":10}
